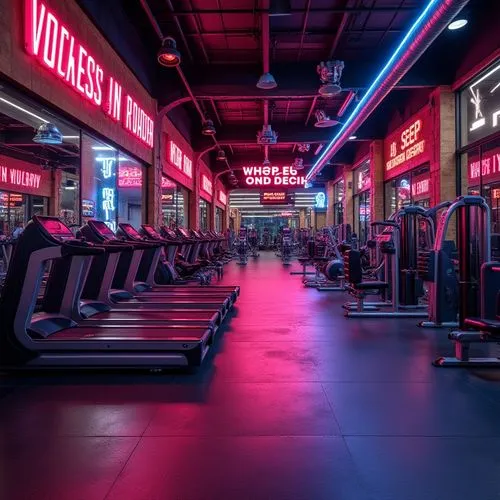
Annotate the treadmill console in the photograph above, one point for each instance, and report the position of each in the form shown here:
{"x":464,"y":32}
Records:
{"x":103,"y":229}
{"x":151,"y":231}
{"x":55,"y":228}
{"x":130,"y":231}
{"x":183,"y":232}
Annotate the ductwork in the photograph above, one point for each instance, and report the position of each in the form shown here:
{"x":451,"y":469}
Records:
{"x":431,"y":22}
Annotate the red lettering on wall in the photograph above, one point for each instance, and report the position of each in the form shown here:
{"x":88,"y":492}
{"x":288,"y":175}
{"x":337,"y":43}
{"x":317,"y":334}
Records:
{"x":53,"y":45}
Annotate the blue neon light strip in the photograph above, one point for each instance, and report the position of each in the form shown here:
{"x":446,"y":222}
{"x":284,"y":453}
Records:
{"x":422,"y":18}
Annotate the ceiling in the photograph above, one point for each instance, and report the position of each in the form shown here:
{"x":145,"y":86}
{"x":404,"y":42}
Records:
{"x":226,"y":44}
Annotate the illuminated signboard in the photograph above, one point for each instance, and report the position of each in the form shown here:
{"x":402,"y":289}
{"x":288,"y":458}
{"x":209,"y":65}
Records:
{"x":487,"y":168}
{"x":131,"y":176}
{"x":167,"y":198}
{"x":223,"y":197}
{"x":180,"y":160}
{"x":53,"y":44}
{"x":88,"y":208}
{"x":320,"y":201}
{"x":421,"y":186}
{"x":206,"y":184}
{"x":408,"y":146}
{"x":19,"y":178}
{"x":273,"y":176}
{"x":495,"y":194}
{"x":482,"y":99}
{"x":276,"y":198}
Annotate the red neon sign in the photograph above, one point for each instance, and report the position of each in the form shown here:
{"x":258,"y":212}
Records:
{"x":18,"y":177}
{"x":206,"y":184}
{"x":130,"y":176}
{"x":223,"y":197}
{"x":488,"y":168}
{"x":272,"y":176}
{"x":56,"y":48}
{"x":410,"y":146}
{"x":180,"y":160}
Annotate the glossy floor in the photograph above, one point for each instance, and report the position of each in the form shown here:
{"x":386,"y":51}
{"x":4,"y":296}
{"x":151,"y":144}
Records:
{"x":296,"y":403}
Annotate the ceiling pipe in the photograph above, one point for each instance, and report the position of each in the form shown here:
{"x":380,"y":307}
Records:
{"x":181,"y":74}
{"x":427,"y":27}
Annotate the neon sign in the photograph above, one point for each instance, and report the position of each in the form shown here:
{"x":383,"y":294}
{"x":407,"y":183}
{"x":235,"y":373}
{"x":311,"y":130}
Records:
{"x":487,"y":168}
{"x":483,"y":104}
{"x":407,"y":146}
{"x":273,"y":176}
{"x":206,"y":184}
{"x":223,"y":197}
{"x":420,"y":187}
{"x":320,"y":200}
{"x":57,"y":49}
{"x":18,"y":177}
{"x":106,"y":202}
{"x":180,"y":160}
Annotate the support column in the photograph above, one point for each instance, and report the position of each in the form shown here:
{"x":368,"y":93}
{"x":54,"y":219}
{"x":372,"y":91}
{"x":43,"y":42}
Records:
{"x":153,"y":177}
{"x":330,"y":216}
{"x":376,"y":180}
{"x":302,"y":218}
{"x":443,"y":146}
{"x":348,"y":201}
{"x":194,"y":196}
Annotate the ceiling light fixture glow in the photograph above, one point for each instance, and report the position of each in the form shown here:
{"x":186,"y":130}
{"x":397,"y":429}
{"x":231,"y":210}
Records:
{"x":431,"y":9}
{"x":457,"y":24}
{"x":24,"y":110}
{"x":353,"y":137}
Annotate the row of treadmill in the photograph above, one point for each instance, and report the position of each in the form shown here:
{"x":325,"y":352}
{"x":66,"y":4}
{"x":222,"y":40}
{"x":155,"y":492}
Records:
{"x":100,"y":299}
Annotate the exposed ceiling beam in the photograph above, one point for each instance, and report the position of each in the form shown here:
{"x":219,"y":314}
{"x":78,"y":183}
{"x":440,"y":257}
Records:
{"x":278,"y":32}
{"x":315,"y":10}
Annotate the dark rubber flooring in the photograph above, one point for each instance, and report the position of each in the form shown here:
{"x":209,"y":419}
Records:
{"x":296,"y":403}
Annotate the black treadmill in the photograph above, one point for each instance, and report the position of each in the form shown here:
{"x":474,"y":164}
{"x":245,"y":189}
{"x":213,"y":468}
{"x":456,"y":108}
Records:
{"x":126,"y":290}
{"x":131,"y":234}
{"x":44,"y":339}
{"x":90,"y":304}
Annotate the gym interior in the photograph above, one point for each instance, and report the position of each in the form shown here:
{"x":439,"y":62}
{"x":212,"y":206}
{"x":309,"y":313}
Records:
{"x":249,"y":250}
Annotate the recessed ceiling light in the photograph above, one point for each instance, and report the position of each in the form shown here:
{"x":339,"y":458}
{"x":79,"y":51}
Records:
{"x":457,"y":24}
{"x":352,"y":137}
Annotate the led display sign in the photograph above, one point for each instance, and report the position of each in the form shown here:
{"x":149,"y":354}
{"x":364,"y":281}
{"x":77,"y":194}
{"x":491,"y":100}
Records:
{"x":180,"y":160}
{"x":320,"y":201}
{"x":272,"y":176}
{"x":276,"y":198}
{"x":482,"y":104}
{"x":59,"y":51}
{"x":206,"y":184}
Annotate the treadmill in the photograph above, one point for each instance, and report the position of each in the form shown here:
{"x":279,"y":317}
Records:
{"x":131,"y":234}
{"x":126,"y":290}
{"x":90,"y":303}
{"x":41,"y":339}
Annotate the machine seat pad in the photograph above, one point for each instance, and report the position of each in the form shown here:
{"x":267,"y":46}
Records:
{"x":370,"y":285}
{"x":484,"y":325}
